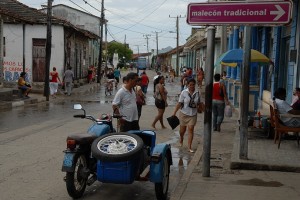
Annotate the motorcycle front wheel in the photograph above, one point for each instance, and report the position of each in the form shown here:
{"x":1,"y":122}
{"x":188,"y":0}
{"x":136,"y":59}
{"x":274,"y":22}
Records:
{"x":76,"y":181}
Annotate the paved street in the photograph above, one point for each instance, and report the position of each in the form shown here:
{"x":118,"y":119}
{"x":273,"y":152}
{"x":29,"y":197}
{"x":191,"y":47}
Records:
{"x":31,"y":150}
{"x":28,"y":166}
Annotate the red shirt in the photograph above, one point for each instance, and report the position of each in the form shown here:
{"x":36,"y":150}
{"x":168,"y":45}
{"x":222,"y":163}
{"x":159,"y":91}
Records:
{"x":54,"y":76}
{"x":144,"y":80}
{"x":216,"y":92}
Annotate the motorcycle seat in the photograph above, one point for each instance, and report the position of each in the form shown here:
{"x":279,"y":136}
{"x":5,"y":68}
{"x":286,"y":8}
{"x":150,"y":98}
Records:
{"x":82,"y":138}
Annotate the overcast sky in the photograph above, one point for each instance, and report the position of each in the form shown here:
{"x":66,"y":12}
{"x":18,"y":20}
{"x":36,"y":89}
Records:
{"x":135,"y":19}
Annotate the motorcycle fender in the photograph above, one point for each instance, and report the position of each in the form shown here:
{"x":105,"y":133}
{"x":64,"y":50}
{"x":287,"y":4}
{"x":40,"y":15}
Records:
{"x":68,"y":162}
{"x":159,"y":152}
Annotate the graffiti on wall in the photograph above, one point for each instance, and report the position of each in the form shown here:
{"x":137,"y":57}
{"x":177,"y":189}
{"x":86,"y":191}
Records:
{"x":12,"y":69}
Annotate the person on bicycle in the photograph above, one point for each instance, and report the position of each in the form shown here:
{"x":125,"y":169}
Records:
{"x":110,"y":79}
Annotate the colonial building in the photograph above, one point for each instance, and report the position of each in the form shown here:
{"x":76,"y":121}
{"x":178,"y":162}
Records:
{"x":24,"y":44}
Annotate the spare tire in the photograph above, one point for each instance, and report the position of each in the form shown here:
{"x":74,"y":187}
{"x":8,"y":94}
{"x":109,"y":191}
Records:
{"x":117,"y":147}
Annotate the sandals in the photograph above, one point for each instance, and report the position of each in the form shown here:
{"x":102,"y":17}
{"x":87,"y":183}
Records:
{"x":191,"y":151}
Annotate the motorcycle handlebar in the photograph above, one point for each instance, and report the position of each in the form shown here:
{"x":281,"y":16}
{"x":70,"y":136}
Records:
{"x":117,"y":116}
{"x":79,"y":116}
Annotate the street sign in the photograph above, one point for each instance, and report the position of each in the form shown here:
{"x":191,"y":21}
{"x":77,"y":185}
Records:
{"x":245,"y":13}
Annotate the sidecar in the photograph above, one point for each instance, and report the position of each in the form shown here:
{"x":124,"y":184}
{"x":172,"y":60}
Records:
{"x":119,"y":158}
{"x":123,"y":158}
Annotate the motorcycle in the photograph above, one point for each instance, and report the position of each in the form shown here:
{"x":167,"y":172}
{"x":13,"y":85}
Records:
{"x":107,"y":156}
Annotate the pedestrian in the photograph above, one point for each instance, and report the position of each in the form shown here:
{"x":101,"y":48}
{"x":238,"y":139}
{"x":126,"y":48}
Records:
{"x":157,"y":75}
{"x":90,"y":75}
{"x":200,"y":77}
{"x":160,"y":95}
{"x":188,"y":102}
{"x":219,"y":100}
{"x":144,"y":82}
{"x":124,"y":103}
{"x":296,"y":99}
{"x":140,"y":97}
{"x":23,"y":85}
{"x":284,"y":108}
{"x":54,"y":82}
{"x":117,"y":76}
{"x":68,"y":80}
{"x":183,"y":81}
{"x":172,"y":75}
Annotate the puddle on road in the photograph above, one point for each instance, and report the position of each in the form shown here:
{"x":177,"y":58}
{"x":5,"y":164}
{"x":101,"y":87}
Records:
{"x":181,"y":158}
{"x":258,"y":182}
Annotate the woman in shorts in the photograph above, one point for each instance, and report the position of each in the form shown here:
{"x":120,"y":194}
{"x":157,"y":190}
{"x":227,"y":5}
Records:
{"x":160,"y":95}
{"x":188,"y":102}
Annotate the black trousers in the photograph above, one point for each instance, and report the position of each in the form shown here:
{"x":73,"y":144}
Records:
{"x":127,"y":126}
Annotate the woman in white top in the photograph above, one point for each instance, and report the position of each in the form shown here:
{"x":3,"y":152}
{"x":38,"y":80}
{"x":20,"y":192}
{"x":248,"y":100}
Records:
{"x":284,"y":108}
{"x":188,"y":102}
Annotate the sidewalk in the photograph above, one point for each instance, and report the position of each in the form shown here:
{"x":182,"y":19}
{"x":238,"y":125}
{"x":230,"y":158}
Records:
{"x":39,"y":97}
{"x":230,"y":178}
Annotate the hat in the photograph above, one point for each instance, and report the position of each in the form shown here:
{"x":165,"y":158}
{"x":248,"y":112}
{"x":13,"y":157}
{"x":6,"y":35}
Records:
{"x":23,"y":74}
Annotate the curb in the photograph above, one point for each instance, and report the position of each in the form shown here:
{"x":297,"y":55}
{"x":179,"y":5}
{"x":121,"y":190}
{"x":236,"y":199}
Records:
{"x":182,"y":184}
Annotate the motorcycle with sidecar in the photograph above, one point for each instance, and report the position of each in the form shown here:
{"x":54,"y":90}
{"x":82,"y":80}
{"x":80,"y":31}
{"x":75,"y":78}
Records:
{"x":104,"y":155}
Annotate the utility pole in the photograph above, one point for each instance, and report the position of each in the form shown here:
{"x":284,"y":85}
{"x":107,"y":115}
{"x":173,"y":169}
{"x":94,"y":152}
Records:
{"x":177,"y":42}
{"x":147,"y":38}
{"x":101,"y":41}
{"x":138,"y":48}
{"x":156,"y":32}
{"x":1,"y":51}
{"x":48,"y":49}
{"x":106,"y":47}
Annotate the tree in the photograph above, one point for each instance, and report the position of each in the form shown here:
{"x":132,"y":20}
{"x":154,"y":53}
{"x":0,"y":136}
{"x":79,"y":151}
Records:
{"x":120,"y":49}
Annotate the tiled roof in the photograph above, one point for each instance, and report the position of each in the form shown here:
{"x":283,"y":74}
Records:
{"x":16,"y":12}
{"x":21,"y":11}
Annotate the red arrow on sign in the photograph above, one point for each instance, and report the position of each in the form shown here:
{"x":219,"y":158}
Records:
{"x":258,"y":13}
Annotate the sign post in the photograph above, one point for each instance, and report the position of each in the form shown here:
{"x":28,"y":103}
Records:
{"x":235,"y":13}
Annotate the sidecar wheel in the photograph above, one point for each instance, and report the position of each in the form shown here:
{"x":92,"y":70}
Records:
{"x":161,"y":189}
{"x":75,"y":181}
{"x":117,"y":147}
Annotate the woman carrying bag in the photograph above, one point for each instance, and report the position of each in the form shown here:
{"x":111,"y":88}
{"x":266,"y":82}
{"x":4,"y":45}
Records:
{"x":219,"y":100}
{"x":188,"y":103}
{"x":140,"y":97}
{"x":160,"y":96}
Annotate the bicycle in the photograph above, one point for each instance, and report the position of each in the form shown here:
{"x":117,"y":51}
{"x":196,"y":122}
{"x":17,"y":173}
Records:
{"x":109,"y":87}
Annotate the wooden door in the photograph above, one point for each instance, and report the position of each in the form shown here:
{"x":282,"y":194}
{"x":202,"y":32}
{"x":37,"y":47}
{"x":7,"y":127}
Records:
{"x":38,"y":60}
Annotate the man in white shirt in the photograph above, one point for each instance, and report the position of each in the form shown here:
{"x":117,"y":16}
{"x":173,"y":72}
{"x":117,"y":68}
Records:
{"x":68,"y":79}
{"x":124,"y":104}
{"x":157,"y":75}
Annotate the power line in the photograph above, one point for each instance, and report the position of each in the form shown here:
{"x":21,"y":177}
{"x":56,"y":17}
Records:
{"x":91,"y":6}
{"x":80,"y":7}
{"x":146,"y":16}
